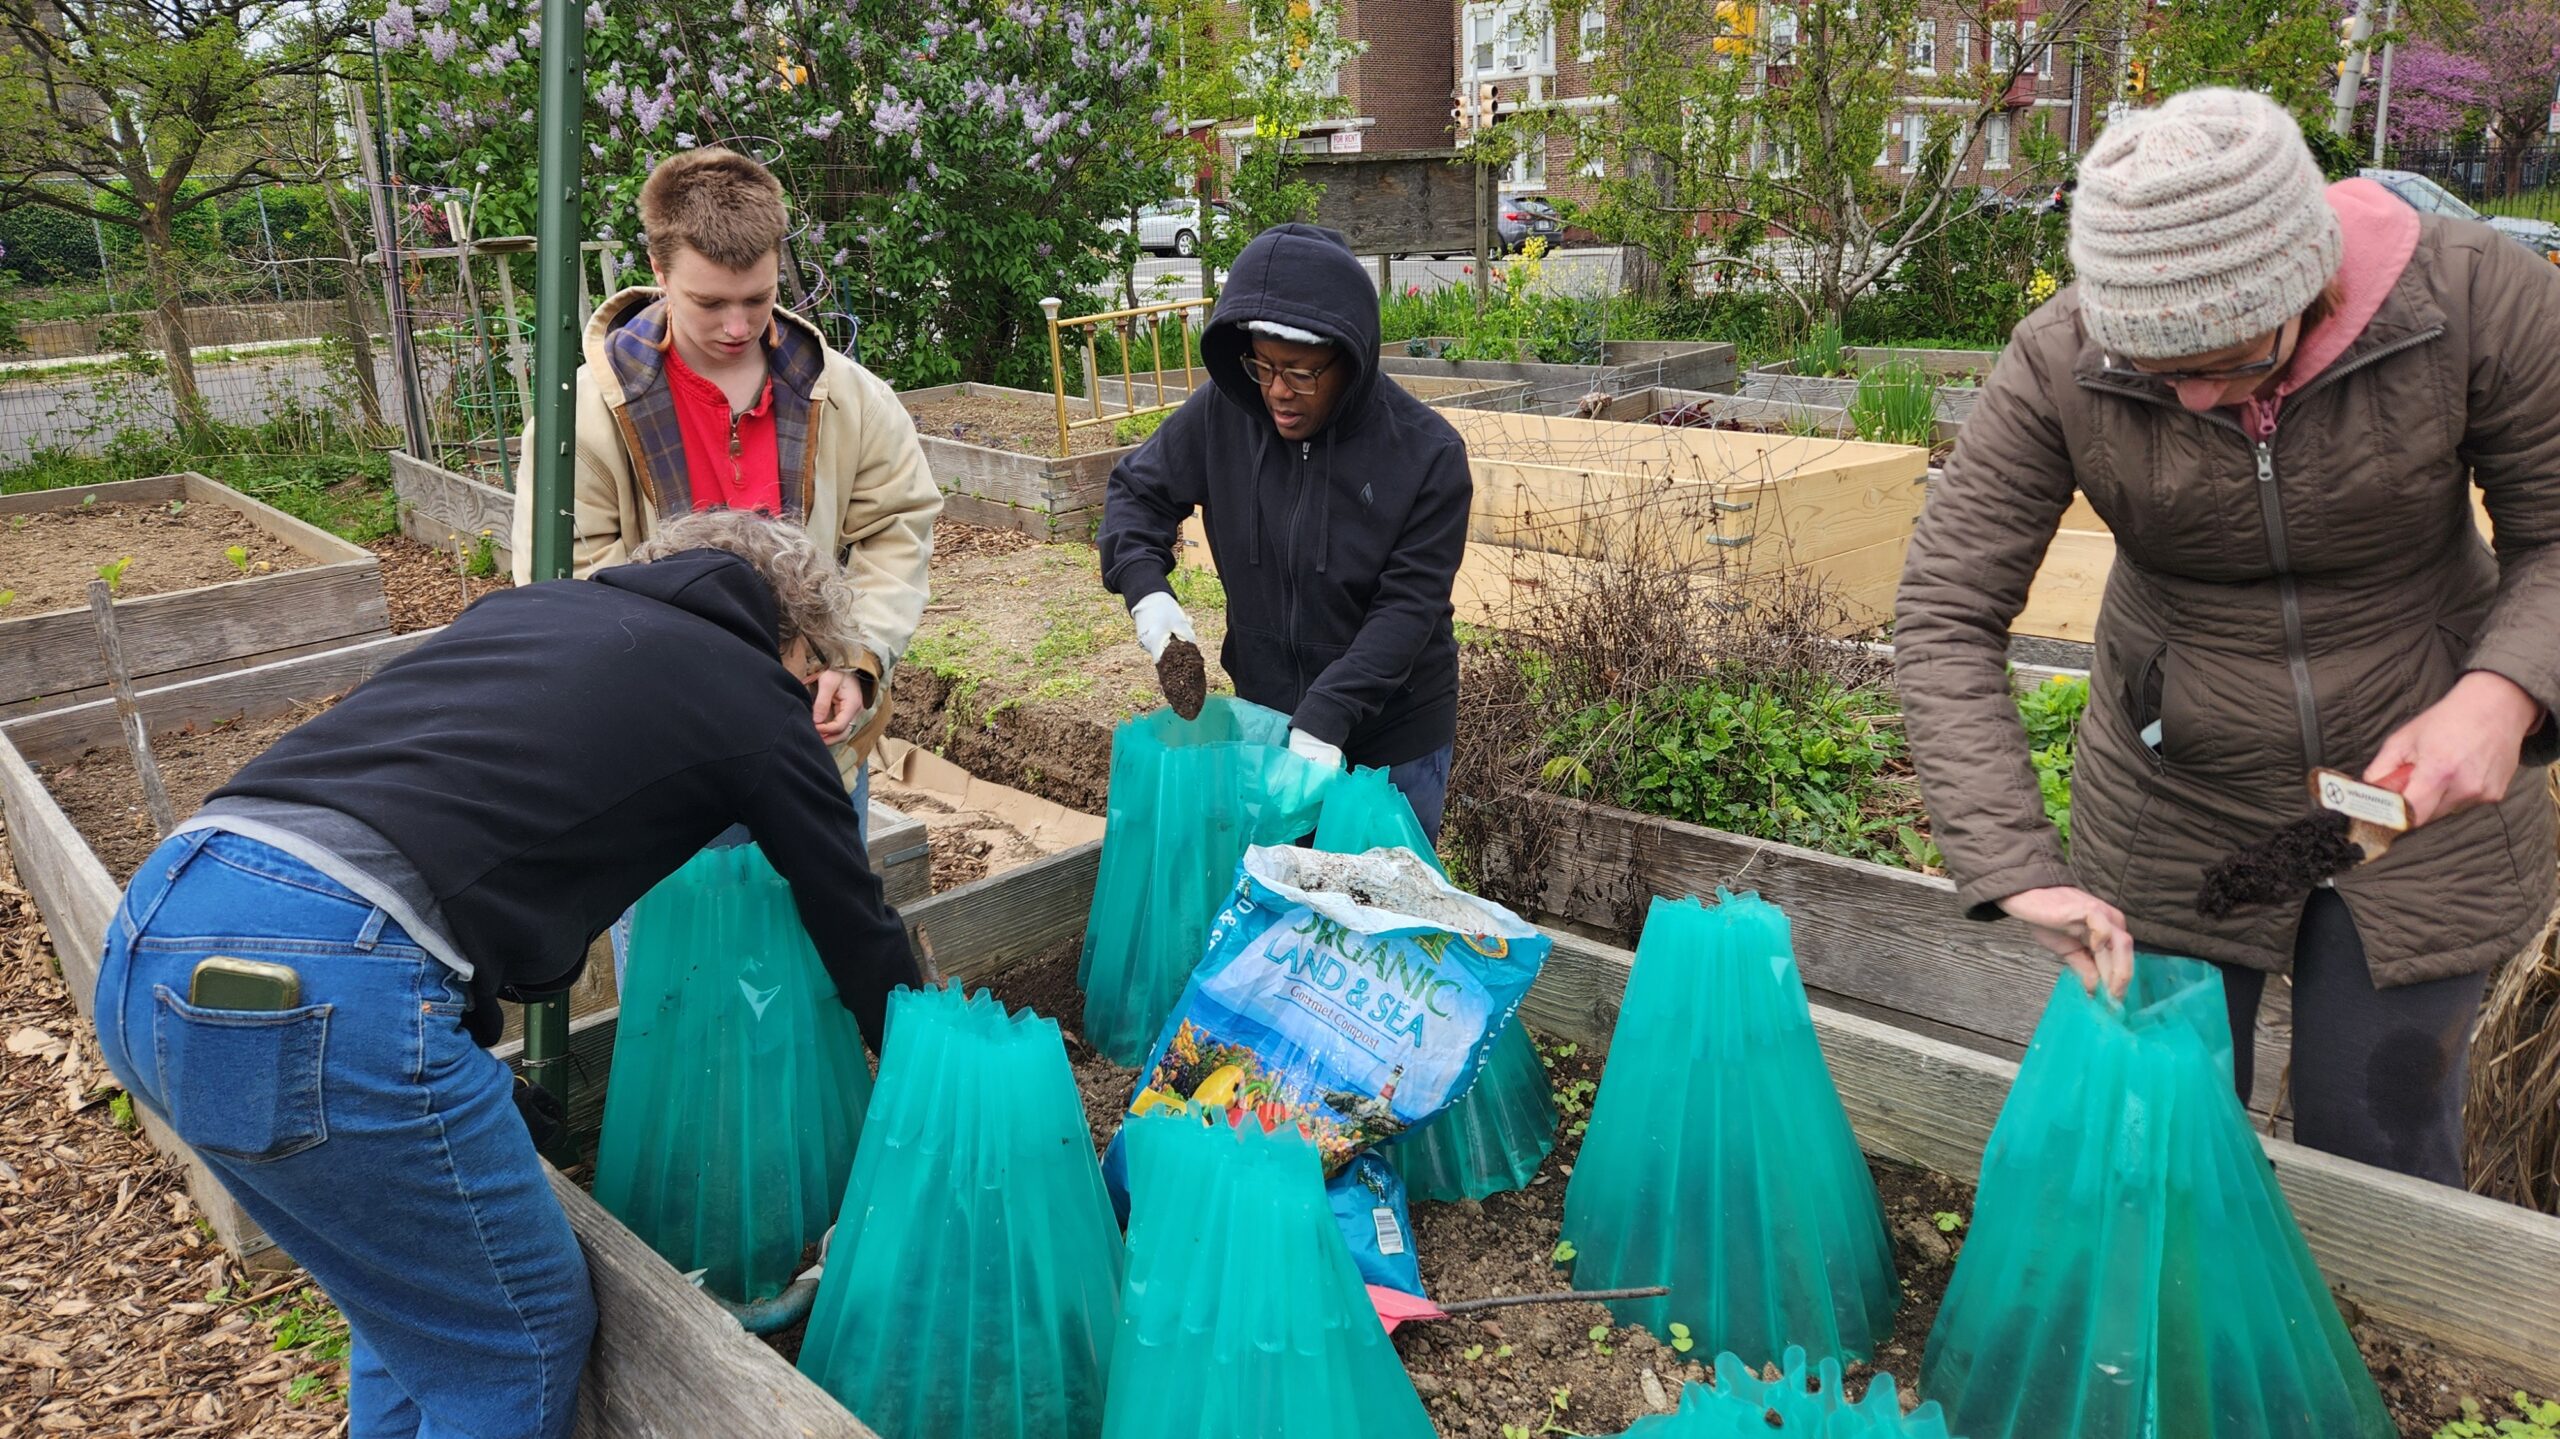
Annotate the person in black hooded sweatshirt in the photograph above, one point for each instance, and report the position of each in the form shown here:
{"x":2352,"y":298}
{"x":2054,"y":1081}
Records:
{"x":456,"y":830}
{"x":1336,"y":507}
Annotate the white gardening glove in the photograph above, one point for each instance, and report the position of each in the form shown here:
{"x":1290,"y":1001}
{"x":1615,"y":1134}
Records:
{"x":1315,"y":751}
{"x":1160,"y":622}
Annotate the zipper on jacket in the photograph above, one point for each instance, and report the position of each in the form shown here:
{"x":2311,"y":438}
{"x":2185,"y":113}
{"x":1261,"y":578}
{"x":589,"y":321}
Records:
{"x":2297,"y":650}
{"x":1289,"y":560}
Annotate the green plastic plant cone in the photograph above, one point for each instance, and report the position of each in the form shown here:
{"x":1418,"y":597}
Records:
{"x":1498,"y":1133}
{"x":1719,"y":1160}
{"x":1244,"y":1316}
{"x":2131,"y":1267}
{"x":738,"y":1079}
{"x":1494,"y":1138}
{"x":1800,"y":1404}
{"x":973,"y":1285}
{"x":1187,"y":799}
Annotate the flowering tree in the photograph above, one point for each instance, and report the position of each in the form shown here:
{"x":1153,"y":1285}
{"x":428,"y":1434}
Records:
{"x":949,"y":162}
{"x":2435,"y":93}
{"x":2518,"y":42}
{"x":1283,"y":67}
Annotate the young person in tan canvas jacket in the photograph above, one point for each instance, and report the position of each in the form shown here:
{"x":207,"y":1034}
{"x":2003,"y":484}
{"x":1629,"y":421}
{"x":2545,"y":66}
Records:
{"x":2279,"y":396}
{"x":702,"y":392}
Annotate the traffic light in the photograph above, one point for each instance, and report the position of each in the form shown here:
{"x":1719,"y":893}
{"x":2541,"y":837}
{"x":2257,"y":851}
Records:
{"x":2137,"y":76}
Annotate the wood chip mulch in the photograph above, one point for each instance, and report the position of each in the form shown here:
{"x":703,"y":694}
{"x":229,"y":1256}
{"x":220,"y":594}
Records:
{"x":953,"y":540}
{"x":425,"y":587}
{"x":118,"y":1315}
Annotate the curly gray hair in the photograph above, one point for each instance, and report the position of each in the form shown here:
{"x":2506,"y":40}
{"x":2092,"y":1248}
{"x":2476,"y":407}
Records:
{"x":810,"y":591}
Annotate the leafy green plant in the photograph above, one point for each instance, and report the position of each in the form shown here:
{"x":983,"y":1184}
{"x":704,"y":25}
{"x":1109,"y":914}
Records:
{"x":120,"y":1113}
{"x":1599,"y":1336}
{"x":1947,"y":1220}
{"x":177,"y":509}
{"x":2536,"y":1419}
{"x":2051,"y":713}
{"x":1564,"y":1252}
{"x":1896,"y":405}
{"x":113,"y":573}
{"x":1809,"y":762}
{"x":1823,"y":353}
{"x":1681,"y":1342}
{"x":482,"y":561}
{"x":238,"y":555}
{"x":8,"y":598}
{"x":1136,"y":429}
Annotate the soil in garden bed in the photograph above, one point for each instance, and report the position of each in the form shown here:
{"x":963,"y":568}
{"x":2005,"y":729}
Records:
{"x":104,"y":800}
{"x":1025,"y":664}
{"x":1473,"y":1388}
{"x":1003,"y":422}
{"x":49,"y":556}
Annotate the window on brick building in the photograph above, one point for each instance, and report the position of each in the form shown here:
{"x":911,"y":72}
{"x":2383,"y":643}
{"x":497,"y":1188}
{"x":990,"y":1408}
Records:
{"x":1527,"y":170}
{"x":1963,"y":58}
{"x":2013,"y":43}
{"x":1915,"y":139}
{"x":1924,"y":47}
{"x":1892,"y":132}
{"x":1995,"y":143}
{"x":1785,"y":26}
{"x":1595,"y":33}
{"x":1508,"y":39}
{"x":2027,"y":40}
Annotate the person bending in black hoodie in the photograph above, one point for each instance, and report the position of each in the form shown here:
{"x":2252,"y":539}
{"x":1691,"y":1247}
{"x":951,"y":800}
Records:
{"x":455,"y":831}
{"x":1336,"y":506}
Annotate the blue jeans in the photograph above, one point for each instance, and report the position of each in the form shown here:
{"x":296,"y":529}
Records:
{"x":619,"y":935}
{"x":363,"y":1130}
{"x":1425,"y":783}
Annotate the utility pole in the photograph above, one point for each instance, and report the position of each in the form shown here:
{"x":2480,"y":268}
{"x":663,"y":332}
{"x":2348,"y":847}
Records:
{"x":2351,"y":63}
{"x":550,"y":465}
{"x":2382,"y":103}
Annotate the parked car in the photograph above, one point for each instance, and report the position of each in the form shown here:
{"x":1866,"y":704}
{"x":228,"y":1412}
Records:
{"x":1169,"y":226}
{"x":2427,"y":197}
{"x":1515,"y":219}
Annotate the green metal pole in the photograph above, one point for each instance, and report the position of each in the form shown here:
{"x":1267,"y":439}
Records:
{"x":550,"y":467}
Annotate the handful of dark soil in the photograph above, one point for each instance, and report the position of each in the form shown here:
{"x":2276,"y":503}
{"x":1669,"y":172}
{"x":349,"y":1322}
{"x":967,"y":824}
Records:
{"x":1184,"y":677}
{"x":2287,"y":864}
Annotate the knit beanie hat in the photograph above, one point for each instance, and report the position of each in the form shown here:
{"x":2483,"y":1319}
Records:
{"x":2198,"y":226}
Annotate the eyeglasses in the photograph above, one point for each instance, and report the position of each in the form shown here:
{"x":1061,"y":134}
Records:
{"x":2277,"y":355}
{"x":1300,"y":382}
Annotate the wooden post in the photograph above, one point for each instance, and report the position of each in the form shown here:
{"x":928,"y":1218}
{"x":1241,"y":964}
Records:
{"x":1484,"y":237}
{"x":137,"y":738}
{"x":1386,"y":275}
{"x":420,"y":433}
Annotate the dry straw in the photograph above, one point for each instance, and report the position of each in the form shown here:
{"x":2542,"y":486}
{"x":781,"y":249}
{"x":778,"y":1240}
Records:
{"x":2512,"y":1117}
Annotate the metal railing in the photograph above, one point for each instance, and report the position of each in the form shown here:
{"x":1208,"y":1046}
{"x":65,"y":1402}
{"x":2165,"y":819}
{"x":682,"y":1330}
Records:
{"x":1125,"y":324}
{"x":2521,"y":181}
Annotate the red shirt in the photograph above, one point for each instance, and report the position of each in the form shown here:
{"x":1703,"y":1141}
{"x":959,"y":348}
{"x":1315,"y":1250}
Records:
{"x":729,"y":458}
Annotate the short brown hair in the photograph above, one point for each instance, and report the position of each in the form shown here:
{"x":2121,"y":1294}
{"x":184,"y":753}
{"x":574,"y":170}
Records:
{"x":717,"y":203}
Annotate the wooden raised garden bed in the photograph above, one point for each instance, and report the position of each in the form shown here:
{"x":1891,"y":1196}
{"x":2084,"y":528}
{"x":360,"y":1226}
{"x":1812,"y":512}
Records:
{"x":187,"y":608}
{"x":441,"y":508}
{"x":1959,"y":373}
{"x":76,"y":888}
{"x":1624,"y":365}
{"x":1556,"y":496}
{"x":994,"y":452}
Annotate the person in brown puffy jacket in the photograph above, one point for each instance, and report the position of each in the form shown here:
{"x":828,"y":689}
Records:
{"x":2278,"y":394}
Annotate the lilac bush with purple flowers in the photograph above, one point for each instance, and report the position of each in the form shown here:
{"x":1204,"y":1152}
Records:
{"x":949,"y":162}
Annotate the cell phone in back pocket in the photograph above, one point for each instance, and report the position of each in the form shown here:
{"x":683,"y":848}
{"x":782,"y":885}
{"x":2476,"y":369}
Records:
{"x":222,"y":982}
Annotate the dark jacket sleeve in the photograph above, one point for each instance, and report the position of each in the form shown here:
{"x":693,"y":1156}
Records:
{"x":800,"y":817}
{"x":2513,"y":444}
{"x":1410,"y":609}
{"x":1982,"y":536}
{"x":1153,"y":490}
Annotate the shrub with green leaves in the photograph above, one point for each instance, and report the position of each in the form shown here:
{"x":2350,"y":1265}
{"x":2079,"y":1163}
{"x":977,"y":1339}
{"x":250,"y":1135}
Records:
{"x":1800,"y":759}
{"x":2051,"y":712}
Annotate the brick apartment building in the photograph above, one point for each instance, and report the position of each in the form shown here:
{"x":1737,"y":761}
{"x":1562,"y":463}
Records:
{"x":1511,"y":44}
{"x":1397,"y":91}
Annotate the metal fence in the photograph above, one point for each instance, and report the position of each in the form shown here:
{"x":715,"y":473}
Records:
{"x":2522,"y":180}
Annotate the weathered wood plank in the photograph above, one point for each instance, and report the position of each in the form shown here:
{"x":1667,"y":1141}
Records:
{"x":151,"y":490}
{"x":50,"y":654}
{"x":980,"y":930}
{"x":77,"y":898}
{"x":1069,"y":527}
{"x":1625,"y":365}
{"x":301,"y":534}
{"x":261,"y":690}
{"x":438,"y":506}
{"x":1884,"y":936}
{"x":668,"y":1363}
{"x":900,"y":855}
{"x":56,"y":704}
